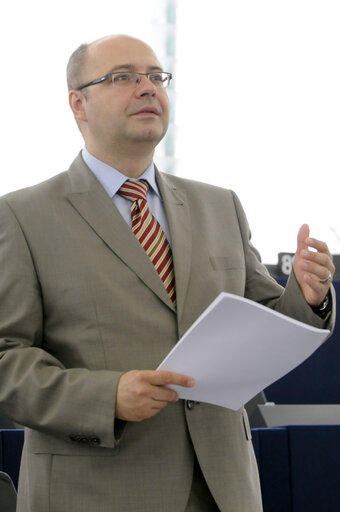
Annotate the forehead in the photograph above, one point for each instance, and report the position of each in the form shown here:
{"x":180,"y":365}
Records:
{"x":111,"y":53}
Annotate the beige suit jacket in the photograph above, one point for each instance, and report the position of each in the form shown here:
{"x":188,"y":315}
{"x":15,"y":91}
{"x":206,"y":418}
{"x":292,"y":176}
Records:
{"x":80,"y":304}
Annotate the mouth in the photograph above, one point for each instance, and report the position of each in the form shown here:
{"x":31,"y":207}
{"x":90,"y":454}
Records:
{"x":147,"y":111}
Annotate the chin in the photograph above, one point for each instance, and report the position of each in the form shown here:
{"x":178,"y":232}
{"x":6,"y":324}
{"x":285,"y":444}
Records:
{"x":150,"y":135}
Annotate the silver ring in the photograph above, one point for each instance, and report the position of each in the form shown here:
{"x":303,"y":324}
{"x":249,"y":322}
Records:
{"x":328,"y":278}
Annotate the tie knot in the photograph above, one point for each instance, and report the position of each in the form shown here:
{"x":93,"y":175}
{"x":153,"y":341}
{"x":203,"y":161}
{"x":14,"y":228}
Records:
{"x":134,"y":190}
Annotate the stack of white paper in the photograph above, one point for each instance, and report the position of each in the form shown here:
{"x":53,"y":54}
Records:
{"x":236,"y":348}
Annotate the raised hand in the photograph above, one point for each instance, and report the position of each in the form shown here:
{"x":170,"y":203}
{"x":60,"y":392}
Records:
{"x":313,"y":269}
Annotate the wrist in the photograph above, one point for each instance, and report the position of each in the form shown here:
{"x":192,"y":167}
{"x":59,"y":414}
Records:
{"x":323,"y":308}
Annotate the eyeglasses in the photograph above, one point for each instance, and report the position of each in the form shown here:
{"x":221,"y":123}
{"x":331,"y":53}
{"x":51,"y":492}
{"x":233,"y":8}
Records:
{"x":126,"y":79}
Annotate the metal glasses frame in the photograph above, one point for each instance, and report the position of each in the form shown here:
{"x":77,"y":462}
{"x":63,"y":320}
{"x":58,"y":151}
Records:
{"x":167,"y":78}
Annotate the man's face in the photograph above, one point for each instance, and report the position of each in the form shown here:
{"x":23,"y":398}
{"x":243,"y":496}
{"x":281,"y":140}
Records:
{"x":123,"y":118}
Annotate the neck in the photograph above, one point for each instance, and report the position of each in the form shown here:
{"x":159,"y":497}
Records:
{"x":132,"y":165}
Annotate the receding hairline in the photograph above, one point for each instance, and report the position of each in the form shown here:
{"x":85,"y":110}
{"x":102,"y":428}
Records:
{"x":75,"y":66}
{"x":79,"y":57}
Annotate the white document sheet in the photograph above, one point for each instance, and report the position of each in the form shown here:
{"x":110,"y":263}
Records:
{"x":236,"y":348}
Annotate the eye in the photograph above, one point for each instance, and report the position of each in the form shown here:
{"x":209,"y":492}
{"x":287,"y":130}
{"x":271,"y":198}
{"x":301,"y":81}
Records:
{"x":122,"y":77}
{"x":157,"y":77}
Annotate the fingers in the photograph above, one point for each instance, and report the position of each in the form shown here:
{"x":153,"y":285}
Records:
{"x":165,"y":378}
{"x":314,"y":255}
{"x":313,"y":267}
{"x":141,"y":394}
{"x":318,"y":245}
{"x":303,"y":234}
{"x":319,"y":262}
{"x":317,"y":287}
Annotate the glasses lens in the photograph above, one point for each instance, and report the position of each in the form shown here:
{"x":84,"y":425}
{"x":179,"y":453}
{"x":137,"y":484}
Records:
{"x":159,"y":79}
{"x":125,"y":79}
{"x":131,"y":79}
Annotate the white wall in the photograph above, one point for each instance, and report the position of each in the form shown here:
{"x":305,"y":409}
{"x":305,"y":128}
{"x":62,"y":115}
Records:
{"x":267,"y":122}
{"x":39,"y":136}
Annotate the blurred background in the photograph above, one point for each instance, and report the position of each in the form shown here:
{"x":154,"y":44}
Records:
{"x":255,"y":100}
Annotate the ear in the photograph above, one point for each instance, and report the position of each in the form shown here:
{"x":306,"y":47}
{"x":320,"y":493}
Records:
{"x":77,"y":103}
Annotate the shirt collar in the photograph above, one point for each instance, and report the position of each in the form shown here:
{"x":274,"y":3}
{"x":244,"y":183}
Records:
{"x":111,"y":179}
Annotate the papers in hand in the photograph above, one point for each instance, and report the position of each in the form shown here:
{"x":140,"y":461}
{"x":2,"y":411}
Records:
{"x":236,"y":348}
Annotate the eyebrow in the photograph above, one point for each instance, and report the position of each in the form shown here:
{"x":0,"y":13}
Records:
{"x":133,"y":68}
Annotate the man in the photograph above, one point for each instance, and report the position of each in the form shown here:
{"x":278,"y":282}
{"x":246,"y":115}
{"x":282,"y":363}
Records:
{"x":86,"y":317}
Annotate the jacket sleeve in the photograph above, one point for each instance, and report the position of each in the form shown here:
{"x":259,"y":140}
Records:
{"x":36,"y":390}
{"x":262,"y":288}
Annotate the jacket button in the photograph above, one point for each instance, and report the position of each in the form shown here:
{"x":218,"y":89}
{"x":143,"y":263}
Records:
{"x":85,"y":439}
{"x":190,"y":404}
{"x":75,"y":437}
{"x":95,"y":441}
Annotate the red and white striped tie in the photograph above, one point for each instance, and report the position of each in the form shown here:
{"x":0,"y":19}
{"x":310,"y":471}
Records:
{"x":149,"y":233}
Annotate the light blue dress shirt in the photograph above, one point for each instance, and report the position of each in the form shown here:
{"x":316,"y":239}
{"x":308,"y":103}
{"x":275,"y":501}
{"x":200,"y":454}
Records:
{"x":111,"y":180}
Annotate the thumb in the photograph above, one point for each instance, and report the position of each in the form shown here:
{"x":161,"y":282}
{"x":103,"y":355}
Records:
{"x":303,"y":234}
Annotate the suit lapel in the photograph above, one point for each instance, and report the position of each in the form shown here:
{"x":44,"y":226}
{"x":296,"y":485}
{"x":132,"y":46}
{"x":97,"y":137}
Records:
{"x":91,"y":201}
{"x":177,"y":212}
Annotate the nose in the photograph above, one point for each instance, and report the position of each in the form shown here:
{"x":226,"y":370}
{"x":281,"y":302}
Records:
{"x":145,"y":87}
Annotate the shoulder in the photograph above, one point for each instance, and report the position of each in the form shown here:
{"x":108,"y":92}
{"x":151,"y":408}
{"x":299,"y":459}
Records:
{"x":52,"y":189}
{"x":213,"y":197}
{"x":215,"y":200}
{"x":193,"y":187}
{"x":36,"y":192}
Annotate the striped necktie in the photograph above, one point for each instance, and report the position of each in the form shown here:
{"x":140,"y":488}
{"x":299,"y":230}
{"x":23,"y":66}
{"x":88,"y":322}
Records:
{"x":149,"y":233}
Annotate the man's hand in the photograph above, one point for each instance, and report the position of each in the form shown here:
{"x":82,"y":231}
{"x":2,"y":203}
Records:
{"x":141,"y":394}
{"x":312,"y":266}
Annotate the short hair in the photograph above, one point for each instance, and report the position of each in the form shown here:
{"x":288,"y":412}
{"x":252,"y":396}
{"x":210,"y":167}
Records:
{"x":75,"y":66}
